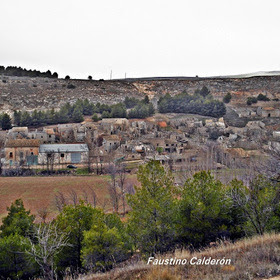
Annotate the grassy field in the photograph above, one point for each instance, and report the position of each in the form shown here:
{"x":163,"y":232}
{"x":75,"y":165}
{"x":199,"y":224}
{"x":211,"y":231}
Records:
{"x":38,"y":193}
{"x":252,"y":259}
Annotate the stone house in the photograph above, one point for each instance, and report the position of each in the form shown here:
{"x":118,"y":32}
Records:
{"x":111,"y":142}
{"x":18,"y":132}
{"x":63,"y":153}
{"x":21,"y":152}
{"x":42,"y":136}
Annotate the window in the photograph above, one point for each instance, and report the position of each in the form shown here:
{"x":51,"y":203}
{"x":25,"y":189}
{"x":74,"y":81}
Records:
{"x":32,"y":153}
{"x":11,"y":154}
{"x":62,"y":155}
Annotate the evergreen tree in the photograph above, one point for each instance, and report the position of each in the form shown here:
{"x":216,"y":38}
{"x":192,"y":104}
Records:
{"x":152,"y":216}
{"x":6,"y":122}
{"x":18,"y":221}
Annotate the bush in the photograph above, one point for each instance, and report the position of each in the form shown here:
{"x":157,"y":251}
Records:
{"x":251,"y":100}
{"x":227,"y":98}
{"x":70,"y":86}
{"x":262,"y":97}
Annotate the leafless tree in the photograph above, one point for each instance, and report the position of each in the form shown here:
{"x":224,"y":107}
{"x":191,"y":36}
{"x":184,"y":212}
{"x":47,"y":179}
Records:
{"x":122,"y":180}
{"x":49,"y":242}
{"x":93,"y":197}
{"x":113,"y":187}
{"x":60,"y":201}
{"x":43,"y":213}
{"x":73,"y":197}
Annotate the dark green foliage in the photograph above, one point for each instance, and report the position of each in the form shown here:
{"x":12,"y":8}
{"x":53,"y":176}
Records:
{"x":105,"y":244}
{"x":5,"y":121}
{"x":14,"y":261}
{"x":152,"y":216}
{"x":251,"y":100}
{"x":90,"y":78}
{"x":204,"y":211}
{"x":141,"y":111}
{"x":130,"y":102}
{"x":74,"y":219}
{"x":227,"y":98}
{"x":262,"y":97}
{"x":204,"y":91}
{"x":20,"y":72}
{"x":95,"y":118}
{"x":118,"y":111}
{"x":67,"y":77}
{"x":191,"y":104}
{"x":70,"y":86}
{"x":258,"y":204}
{"x":18,"y":221}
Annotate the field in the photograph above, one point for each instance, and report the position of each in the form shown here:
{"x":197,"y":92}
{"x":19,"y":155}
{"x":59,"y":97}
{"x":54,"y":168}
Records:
{"x":39,"y":193}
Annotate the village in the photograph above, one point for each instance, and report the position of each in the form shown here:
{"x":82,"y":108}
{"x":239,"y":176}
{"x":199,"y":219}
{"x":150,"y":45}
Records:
{"x":181,"y":141}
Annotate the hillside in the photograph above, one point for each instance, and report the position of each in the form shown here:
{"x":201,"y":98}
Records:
{"x":255,"y":258}
{"x":28,"y":93}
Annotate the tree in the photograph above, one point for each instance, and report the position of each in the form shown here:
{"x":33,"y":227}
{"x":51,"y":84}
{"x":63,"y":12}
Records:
{"x":90,"y":78}
{"x":102,"y":247}
{"x":204,"y":91}
{"x":78,"y":114}
{"x":95,"y":118}
{"x":18,"y":221}
{"x":204,"y":210}
{"x":67,"y":77}
{"x":251,"y":100}
{"x":6,"y":122}
{"x":49,"y":241}
{"x":74,"y":220}
{"x":227,"y":98}
{"x":262,"y":97}
{"x":258,"y":204}
{"x":14,"y":261}
{"x":17,"y":118}
{"x":55,"y":75}
{"x":152,"y":215}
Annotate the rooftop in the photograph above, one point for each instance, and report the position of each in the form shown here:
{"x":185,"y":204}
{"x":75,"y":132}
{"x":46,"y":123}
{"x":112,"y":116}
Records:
{"x":65,"y":148}
{"x":14,"y":143}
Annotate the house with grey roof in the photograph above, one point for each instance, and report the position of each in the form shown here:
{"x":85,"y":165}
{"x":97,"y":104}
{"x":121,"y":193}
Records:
{"x":63,"y":154}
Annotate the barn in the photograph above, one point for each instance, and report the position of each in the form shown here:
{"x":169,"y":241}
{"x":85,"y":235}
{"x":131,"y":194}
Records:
{"x":63,"y":153}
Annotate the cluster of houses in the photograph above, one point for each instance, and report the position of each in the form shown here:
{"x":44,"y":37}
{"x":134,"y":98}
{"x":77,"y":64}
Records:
{"x":172,"y":140}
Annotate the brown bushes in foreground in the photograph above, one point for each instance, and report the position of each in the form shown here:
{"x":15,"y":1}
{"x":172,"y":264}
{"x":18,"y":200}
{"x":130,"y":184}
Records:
{"x":255,"y":258}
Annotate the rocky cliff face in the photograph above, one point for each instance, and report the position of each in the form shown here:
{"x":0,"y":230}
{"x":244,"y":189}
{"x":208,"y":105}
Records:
{"x":42,"y":93}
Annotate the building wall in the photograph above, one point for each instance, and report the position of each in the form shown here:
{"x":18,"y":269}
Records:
{"x":17,"y":154}
{"x":63,"y":158}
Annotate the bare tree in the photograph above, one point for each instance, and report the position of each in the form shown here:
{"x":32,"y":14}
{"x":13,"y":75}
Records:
{"x":73,"y":197}
{"x":113,"y":187}
{"x":122,"y":180}
{"x":93,"y":196}
{"x":43,"y":213}
{"x":49,"y":242}
{"x":60,"y":201}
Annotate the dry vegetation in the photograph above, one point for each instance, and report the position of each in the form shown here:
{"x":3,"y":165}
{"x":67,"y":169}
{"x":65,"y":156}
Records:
{"x":256,"y":258}
{"x":38,"y":193}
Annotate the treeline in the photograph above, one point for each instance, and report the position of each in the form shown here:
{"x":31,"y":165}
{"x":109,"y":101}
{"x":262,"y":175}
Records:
{"x":77,"y":111}
{"x":83,"y":238}
{"x":201,"y":103}
{"x":22,"y":72}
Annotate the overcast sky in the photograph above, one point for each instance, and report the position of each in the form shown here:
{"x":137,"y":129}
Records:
{"x":141,"y":38}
